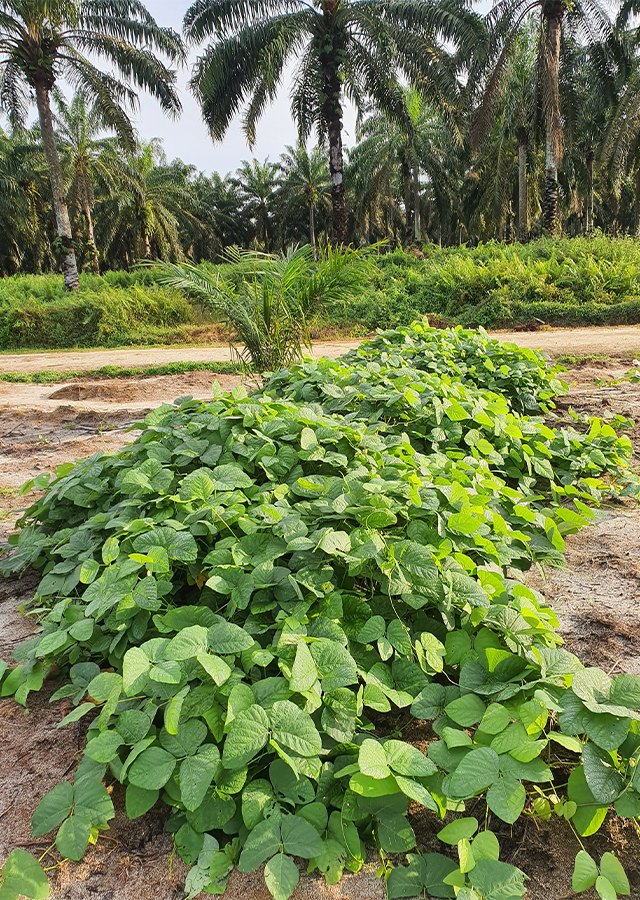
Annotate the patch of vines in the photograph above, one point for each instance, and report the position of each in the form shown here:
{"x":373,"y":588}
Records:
{"x":235,"y":598}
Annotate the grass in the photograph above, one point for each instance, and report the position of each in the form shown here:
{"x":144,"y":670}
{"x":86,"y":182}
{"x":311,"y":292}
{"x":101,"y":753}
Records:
{"x":581,"y":359}
{"x":174,"y":368}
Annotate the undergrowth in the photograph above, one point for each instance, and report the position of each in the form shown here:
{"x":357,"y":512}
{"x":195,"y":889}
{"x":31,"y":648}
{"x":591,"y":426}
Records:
{"x":114,"y":309}
{"x":570,"y":282}
{"x":241,"y":596}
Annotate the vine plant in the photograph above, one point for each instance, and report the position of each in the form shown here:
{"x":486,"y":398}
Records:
{"x":239,"y":594}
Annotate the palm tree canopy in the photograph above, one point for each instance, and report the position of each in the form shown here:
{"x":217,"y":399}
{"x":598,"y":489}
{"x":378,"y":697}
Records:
{"x":367,"y":43}
{"x":42,"y":41}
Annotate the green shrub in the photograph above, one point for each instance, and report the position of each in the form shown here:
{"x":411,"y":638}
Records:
{"x":242,"y":595}
{"x":582,"y":281}
{"x":115,"y":309}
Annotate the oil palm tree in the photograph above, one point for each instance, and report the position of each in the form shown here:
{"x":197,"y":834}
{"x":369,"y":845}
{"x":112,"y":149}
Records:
{"x":588,"y":21}
{"x":142,"y":218}
{"x":88,"y":159}
{"x":44,"y":40}
{"x":509,"y":131}
{"x":305,"y":182}
{"x":257,"y":183}
{"x":352,"y":48}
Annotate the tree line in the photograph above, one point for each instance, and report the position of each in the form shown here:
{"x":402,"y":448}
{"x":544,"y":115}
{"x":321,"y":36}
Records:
{"x":470,"y":127}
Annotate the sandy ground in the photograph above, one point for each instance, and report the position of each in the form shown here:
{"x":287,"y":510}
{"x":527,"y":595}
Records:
{"x":620,"y":342}
{"x":84,"y":360}
{"x":598,"y":595}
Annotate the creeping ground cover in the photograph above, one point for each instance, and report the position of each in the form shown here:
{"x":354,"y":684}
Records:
{"x":252,"y":601}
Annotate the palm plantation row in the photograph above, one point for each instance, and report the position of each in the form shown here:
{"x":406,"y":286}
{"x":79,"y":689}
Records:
{"x":524,"y":119}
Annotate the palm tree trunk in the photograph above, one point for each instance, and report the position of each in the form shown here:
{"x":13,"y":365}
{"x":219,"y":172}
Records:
{"x":312,"y":228}
{"x":589,"y":210}
{"x":408,"y":202}
{"x":417,"y":230}
{"x":332,"y":115}
{"x":550,"y":196}
{"x":67,"y":254}
{"x":523,"y":205}
{"x":86,"y":208}
{"x":553,"y":124}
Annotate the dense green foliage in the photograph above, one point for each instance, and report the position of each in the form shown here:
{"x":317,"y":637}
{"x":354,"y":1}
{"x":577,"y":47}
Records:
{"x":115,"y":309}
{"x":585,"y":281}
{"x":239,"y":594}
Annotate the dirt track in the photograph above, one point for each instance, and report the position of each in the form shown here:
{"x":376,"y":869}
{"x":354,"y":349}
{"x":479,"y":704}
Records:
{"x":620,"y":342}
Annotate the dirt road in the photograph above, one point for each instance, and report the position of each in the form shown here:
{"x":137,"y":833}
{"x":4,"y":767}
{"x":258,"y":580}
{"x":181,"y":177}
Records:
{"x":621,"y":342}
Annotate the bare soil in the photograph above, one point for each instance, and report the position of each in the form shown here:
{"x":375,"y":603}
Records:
{"x":597,"y":597}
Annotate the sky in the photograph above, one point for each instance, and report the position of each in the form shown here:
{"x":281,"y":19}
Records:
{"x":188,"y":138}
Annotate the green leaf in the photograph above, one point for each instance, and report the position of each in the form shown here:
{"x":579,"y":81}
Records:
{"x":605,"y":782}
{"x":104,"y":747}
{"x":293,"y":728}
{"x":497,"y":880}
{"x":188,"y":643}
{"x":338,"y":716}
{"x":372,"y":630}
{"x":461,"y":829}
{"x":589,"y":815}
{"x":495,"y":719}
{"x":22,"y":874}
{"x":625,"y":691}
{"x":138,"y":801}
{"x":304,"y":673}
{"x":336,"y":666}
{"x":227,"y":638}
{"x":406,"y":881}
{"x":185,"y":742}
{"x":258,"y":798}
{"x":152,"y":769}
{"x":196,"y":775}
{"x":281,"y":876}
{"x":394,"y":834}
{"x":416,"y":791}
{"x":506,"y":798}
{"x":299,"y":837}
{"x":439,"y":867}
{"x":612,"y":870}
{"x":466,"y":710}
{"x":407,"y":760}
{"x":262,"y":843}
{"x":399,"y":638}
{"x":247,"y":735}
{"x":486,"y":846}
{"x":478,"y":770}
{"x":372,"y":759}
{"x":52,"y":809}
{"x":135,"y":667}
{"x":216,"y":668}
{"x":585,"y":872}
{"x":73,"y":837}
{"x":464,"y":523}
{"x":605,"y":889}
{"x":173,"y":710}
{"x":189,"y":843}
